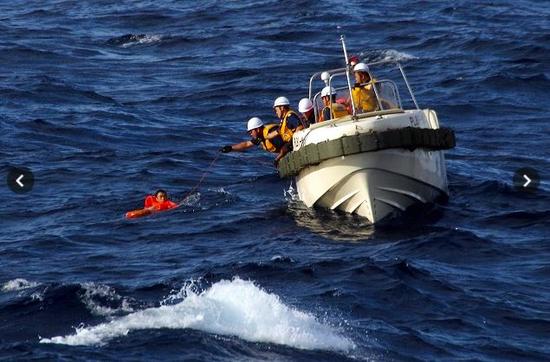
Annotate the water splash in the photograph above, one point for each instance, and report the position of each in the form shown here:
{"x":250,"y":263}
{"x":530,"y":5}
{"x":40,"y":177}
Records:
{"x":291,"y":194}
{"x":392,"y":54}
{"x":191,"y":200}
{"x":236,"y":308}
{"x":18,"y":284}
{"x":103,"y":300}
{"x":386,"y":55}
{"x":129,"y":40}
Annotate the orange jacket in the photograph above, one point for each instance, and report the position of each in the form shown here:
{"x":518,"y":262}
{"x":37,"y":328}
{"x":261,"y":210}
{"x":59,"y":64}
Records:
{"x":150,"y":200}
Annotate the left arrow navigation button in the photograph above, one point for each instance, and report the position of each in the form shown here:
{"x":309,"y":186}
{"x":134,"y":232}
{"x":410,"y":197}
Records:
{"x":20,"y":179}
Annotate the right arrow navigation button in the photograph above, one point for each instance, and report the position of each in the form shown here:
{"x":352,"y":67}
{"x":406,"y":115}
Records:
{"x":526,"y":179}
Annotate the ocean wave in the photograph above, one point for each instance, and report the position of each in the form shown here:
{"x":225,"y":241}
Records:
{"x":385,"y":55}
{"x":18,"y":284}
{"x":96,"y":296}
{"x":395,"y":55}
{"x":237,"y":308}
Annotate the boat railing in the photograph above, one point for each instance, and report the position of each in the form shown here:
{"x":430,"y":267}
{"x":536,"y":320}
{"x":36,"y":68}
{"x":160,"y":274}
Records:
{"x":328,"y":75}
{"x":386,"y":93}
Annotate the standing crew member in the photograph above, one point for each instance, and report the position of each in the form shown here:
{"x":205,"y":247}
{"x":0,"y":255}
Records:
{"x":363,"y":94}
{"x":331,"y":109}
{"x":305,"y":107}
{"x":259,"y":132}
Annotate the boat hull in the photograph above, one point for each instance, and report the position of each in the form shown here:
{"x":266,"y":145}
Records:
{"x":375,"y":184}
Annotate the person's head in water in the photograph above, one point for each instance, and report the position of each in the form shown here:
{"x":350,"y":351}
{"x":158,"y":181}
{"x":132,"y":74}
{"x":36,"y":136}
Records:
{"x":161,"y":195}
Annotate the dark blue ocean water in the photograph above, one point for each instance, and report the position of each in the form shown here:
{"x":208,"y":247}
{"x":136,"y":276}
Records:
{"x":106,"y":101}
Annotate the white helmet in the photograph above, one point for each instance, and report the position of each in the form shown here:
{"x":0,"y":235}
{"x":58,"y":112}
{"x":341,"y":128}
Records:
{"x":281,"y":101}
{"x":327,"y":91}
{"x":361,"y":67}
{"x":254,"y":123}
{"x":305,"y":105}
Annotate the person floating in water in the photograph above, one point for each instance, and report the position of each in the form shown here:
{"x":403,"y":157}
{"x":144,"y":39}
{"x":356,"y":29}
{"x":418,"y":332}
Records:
{"x":153,"y":203}
{"x":158,"y":202}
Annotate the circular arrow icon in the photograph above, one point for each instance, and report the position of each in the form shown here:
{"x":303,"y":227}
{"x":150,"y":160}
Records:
{"x":20,"y":179}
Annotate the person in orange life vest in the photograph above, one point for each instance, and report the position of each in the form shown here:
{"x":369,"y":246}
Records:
{"x":305,"y":107}
{"x":289,"y":121}
{"x":259,"y":132}
{"x":331,"y":109}
{"x":159,"y":201}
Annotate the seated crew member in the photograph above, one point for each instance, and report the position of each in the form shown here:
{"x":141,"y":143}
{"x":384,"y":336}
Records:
{"x":331,"y":109}
{"x":305,"y":107}
{"x":259,"y":132}
{"x":363,"y":94}
{"x":159,"y":201}
{"x":289,"y":121}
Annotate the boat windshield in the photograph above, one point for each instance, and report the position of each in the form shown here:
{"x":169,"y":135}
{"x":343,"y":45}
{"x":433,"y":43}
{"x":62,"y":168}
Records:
{"x":379,"y":93}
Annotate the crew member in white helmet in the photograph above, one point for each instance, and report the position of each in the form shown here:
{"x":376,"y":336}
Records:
{"x":258,"y":133}
{"x":289,"y":121}
{"x":363,"y":94}
{"x":331,"y":109}
{"x":305,"y":107}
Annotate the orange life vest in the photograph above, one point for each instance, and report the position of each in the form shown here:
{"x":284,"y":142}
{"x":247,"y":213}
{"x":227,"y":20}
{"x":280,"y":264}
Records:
{"x":364,"y":97}
{"x":271,"y":145}
{"x":337,"y":110}
{"x":286,"y":132}
{"x":150,"y":200}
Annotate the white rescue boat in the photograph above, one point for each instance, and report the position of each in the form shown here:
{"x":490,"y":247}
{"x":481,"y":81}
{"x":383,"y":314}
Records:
{"x":375,"y":164}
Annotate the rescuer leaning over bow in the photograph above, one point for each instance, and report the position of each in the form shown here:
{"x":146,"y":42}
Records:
{"x":259,"y":133}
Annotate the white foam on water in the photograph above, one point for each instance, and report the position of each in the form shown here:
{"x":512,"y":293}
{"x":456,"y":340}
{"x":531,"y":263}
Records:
{"x":220,"y":190}
{"x":234,"y":308}
{"x":191,"y":200}
{"x":291,"y":194}
{"x":38,"y":296}
{"x":392,"y":54}
{"x":18,"y":284}
{"x":94,"y":291}
{"x":146,"y":39}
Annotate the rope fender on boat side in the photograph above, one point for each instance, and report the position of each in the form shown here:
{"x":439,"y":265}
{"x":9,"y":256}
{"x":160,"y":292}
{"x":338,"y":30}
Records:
{"x":409,"y":138}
